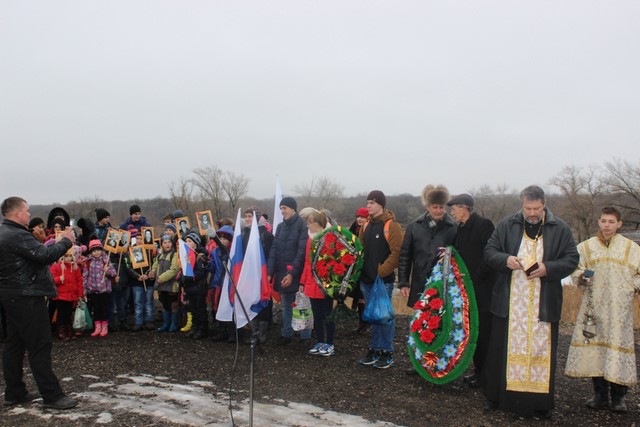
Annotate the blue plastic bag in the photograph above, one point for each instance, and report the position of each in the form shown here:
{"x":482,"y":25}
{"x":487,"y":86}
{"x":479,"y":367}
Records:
{"x":378,"y":309}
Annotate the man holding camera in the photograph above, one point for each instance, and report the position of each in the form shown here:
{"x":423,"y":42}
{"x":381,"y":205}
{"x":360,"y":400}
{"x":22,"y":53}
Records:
{"x":609,"y":275}
{"x":25,"y":283}
{"x":531,"y":251}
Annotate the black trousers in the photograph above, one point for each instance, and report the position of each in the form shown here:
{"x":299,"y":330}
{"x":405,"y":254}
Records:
{"x":198,"y":309}
{"x":28,"y":331}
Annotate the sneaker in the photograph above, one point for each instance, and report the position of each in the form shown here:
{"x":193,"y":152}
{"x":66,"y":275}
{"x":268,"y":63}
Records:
{"x":316,"y":348}
{"x":326,"y":350}
{"x":371,"y":357}
{"x":384,"y":361}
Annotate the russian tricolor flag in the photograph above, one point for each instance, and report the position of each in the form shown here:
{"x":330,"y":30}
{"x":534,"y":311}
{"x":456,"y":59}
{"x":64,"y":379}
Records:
{"x":187,"y":258}
{"x":227,"y":304}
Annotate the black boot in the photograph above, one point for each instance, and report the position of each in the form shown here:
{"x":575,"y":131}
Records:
{"x":600,"y":398}
{"x":617,"y":397}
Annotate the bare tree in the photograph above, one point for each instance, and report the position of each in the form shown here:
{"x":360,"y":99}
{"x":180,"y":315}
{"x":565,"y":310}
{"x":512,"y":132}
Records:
{"x":84,"y":207}
{"x":495,"y":204}
{"x":623,"y":181}
{"x":235,"y":187}
{"x":582,"y":189}
{"x":321,"y":191}
{"x":210,"y":181}
{"x":182,"y":196}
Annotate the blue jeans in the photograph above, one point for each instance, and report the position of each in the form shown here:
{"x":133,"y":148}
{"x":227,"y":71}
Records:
{"x":118,"y":306}
{"x":142,"y":304}
{"x":381,"y":335}
{"x":287,"y":317}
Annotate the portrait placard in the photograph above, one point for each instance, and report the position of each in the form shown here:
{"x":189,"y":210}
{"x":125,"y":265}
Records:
{"x":157,"y":244}
{"x":182,"y":225}
{"x":138,"y":257}
{"x":204,"y":220}
{"x":147,"y":237}
{"x":123,"y":242}
{"x":111,"y":241}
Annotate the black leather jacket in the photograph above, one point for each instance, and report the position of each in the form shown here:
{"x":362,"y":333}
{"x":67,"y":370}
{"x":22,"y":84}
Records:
{"x":560,"y":257}
{"x":24,"y":262}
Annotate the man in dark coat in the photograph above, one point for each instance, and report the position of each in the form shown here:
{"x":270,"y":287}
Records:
{"x":286,"y":261}
{"x":531,"y":251}
{"x":432,"y":230}
{"x":473,"y":234}
{"x":25,"y":283}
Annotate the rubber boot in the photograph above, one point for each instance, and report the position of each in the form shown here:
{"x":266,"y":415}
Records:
{"x":105,"y":328}
{"x":173,"y":326}
{"x":165,"y":322}
{"x":98,"y":330}
{"x":189,"y":324}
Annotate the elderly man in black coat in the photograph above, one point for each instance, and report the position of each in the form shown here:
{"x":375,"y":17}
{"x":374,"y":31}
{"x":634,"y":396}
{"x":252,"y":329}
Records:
{"x":473,"y":234}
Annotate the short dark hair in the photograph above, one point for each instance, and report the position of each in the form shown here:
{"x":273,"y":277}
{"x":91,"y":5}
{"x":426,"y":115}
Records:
{"x":611,"y":210}
{"x":531,"y":193}
{"x":12,"y":203}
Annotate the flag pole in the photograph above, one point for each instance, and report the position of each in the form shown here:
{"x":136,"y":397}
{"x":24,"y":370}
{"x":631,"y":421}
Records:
{"x":254,"y":336}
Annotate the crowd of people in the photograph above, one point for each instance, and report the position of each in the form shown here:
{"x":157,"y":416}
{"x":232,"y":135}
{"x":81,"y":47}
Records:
{"x":516,"y":267}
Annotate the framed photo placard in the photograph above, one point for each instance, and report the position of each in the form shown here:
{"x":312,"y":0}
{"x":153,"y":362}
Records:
{"x":205,"y":221}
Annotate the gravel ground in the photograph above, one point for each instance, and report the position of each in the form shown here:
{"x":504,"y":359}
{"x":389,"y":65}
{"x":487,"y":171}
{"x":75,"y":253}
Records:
{"x":288,"y":374}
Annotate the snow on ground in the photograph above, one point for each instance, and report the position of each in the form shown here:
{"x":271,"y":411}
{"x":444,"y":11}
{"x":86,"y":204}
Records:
{"x":197,"y":403}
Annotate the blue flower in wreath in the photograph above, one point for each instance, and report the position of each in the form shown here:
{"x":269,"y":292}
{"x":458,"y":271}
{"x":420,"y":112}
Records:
{"x":452,"y":277}
{"x":457,"y":318}
{"x":450,"y":350}
{"x":457,"y":302}
{"x":442,"y":363}
{"x":411,"y":341}
{"x":437,"y":275}
{"x":418,"y":354}
{"x":454,"y":291}
{"x":458,"y":335}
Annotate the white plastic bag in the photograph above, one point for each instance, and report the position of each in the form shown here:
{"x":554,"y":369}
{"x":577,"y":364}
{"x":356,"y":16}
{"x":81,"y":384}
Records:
{"x":302,"y":314}
{"x":79,"y":319}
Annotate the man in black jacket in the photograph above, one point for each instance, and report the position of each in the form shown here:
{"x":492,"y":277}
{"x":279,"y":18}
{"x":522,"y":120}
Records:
{"x":473,"y":234}
{"x":531,"y":251}
{"x":25,"y":283}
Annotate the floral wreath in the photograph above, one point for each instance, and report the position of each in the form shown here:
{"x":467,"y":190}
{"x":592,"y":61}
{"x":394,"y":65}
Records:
{"x":336,"y":261}
{"x":444,"y":329}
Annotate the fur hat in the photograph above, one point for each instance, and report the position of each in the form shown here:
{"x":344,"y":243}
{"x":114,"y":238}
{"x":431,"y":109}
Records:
{"x":95,"y":244}
{"x":363,"y":212}
{"x":378,"y":197}
{"x":289,"y":202}
{"x":194,"y":237}
{"x":134,"y":209}
{"x":438,"y":195}
{"x":101,"y":214}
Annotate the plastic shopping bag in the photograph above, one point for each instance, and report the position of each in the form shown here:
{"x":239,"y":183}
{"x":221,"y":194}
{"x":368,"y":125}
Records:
{"x":302,"y":314}
{"x":87,"y":317}
{"x":378,"y":309}
{"x":79,"y":320}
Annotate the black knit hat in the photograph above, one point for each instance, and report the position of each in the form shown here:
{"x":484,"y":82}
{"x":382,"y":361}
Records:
{"x":101,"y":214}
{"x":378,"y":197}
{"x":134,"y":209}
{"x":289,"y":202}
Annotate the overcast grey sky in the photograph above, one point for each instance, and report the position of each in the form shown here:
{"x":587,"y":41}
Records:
{"x":117,"y":99}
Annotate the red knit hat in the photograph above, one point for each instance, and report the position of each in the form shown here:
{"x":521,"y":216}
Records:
{"x":132,"y":230}
{"x":363,"y":212}
{"x":95,"y":244}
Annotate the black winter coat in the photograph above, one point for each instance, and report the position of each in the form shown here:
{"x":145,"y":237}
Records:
{"x":419,"y":251}
{"x":24,"y":262}
{"x":287,"y":253}
{"x":198,"y":284}
{"x":560,"y":258}
{"x":470,"y":242}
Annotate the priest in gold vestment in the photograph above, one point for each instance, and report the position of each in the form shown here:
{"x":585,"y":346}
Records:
{"x":602,"y":346}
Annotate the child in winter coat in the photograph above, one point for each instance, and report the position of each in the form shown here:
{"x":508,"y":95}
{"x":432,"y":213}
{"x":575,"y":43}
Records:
{"x":196,"y":288}
{"x":321,"y":305}
{"x":222,"y":330}
{"x":164,"y":271}
{"x":97,"y":274}
{"x":68,"y":279}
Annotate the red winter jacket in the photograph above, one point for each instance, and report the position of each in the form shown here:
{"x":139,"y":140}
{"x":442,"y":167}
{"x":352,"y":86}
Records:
{"x":69,"y":289}
{"x":311,"y":288}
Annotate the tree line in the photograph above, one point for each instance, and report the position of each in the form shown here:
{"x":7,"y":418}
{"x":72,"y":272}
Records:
{"x":576,"y":194}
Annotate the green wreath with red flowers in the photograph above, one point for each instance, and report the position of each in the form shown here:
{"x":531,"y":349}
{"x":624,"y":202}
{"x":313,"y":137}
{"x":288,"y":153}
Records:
{"x":336,"y":261}
{"x":444,"y":328}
